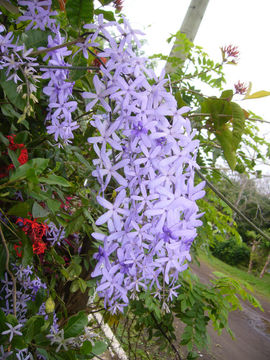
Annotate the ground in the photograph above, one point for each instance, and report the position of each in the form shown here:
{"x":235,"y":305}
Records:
{"x":250,"y":326}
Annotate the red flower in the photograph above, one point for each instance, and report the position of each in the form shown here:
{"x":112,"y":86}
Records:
{"x":23,"y":157}
{"x":39,"y":247}
{"x":18,"y":249}
{"x":35,"y":231}
{"x":118,"y":4}
{"x":240,"y":88}
{"x":230,"y":53}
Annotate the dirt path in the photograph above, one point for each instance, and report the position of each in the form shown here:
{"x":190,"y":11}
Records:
{"x":250,"y":326}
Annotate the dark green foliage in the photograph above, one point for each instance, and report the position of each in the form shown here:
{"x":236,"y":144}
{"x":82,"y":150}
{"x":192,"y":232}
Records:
{"x":231,"y":252}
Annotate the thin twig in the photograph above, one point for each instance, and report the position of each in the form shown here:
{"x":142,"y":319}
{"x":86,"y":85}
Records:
{"x":68,"y":67}
{"x":8,"y":271}
{"x":222,"y":197}
{"x":44,"y":51}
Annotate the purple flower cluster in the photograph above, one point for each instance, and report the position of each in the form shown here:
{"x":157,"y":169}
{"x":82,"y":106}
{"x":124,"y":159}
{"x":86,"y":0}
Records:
{"x":14,"y":58}
{"x":39,"y":14}
{"x":29,"y":285}
{"x":59,"y":90}
{"x":55,"y":235}
{"x":145,"y":149}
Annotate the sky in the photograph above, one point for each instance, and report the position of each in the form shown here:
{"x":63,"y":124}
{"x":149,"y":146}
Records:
{"x":242,"y":23}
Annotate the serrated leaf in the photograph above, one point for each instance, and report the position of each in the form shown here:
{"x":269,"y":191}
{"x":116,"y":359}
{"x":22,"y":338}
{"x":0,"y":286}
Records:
{"x":79,"y":11}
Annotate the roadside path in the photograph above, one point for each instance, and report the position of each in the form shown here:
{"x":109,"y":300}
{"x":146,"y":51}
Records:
{"x":250,"y":326}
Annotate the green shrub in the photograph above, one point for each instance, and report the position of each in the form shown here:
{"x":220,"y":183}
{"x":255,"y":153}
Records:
{"x":231,"y":252}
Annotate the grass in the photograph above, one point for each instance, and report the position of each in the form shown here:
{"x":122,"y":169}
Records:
{"x":260,"y":286}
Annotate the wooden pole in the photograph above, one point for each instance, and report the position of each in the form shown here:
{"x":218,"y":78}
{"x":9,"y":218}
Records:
{"x":190,"y":26}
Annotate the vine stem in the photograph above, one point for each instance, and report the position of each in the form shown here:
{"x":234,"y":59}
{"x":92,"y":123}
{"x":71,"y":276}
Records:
{"x":68,"y":67}
{"x":234,"y":208}
{"x":43,"y":51}
{"x":166,"y":337}
{"x":8,"y":271}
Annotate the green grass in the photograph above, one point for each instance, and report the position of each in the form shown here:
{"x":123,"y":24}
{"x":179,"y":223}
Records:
{"x":260,"y":286}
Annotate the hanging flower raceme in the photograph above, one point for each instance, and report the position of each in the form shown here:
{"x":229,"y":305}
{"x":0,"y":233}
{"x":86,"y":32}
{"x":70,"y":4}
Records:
{"x":146,"y":149}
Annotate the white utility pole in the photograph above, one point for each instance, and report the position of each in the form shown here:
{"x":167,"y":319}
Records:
{"x":190,"y":26}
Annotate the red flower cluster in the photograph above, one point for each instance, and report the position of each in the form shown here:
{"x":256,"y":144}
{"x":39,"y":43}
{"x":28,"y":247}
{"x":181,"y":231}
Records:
{"x":23,"y":157}
{"x":35,"y":231}
{"x":230,"y":53}
{"x":118,"y":4}
{"x":240,"y":88}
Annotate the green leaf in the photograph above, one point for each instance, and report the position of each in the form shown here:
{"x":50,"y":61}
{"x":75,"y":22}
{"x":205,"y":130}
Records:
{"x":8,"y":110}
{"x":4,"y":139}
{"x":79,"y":11}
{"x":53,"y":205}
{"x":3,"y":320}
{"x":55,"y":180}
{"x":78,"y":60}
{"x":225,"y":138}
{"x":10,"y":88}
{"x":13,"y":157}
{"x":20,"y":209}
{"x":83,"y":160}
{"x":18,"y":342}
{"x":227,"y":95}
{"x":108,"y":15}
{"x":75,"y":225}
{"x":38,"y":164}
{"x":27,"y":251}
{"x":11,"y":8}
{"x":34,"y":39}
{"x":86,"y":348}
{"x":31,"y":327}
{"x":105,"y":2}
{"x":257,"y":95}
{"x":99,"y":348}
{"x":76,"y":325}
{"x":38,"y":211}
{"x":238,"y":121}
{"x":74,"y":286}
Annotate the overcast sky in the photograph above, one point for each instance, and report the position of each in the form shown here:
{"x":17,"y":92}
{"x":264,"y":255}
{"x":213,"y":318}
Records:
{"x":243,"y":23}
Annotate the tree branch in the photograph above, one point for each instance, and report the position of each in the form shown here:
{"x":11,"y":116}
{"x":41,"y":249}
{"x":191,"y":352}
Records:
{"x":222,"y":197}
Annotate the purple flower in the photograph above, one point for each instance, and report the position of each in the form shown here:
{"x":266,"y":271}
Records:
{"x":12,"y":330}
